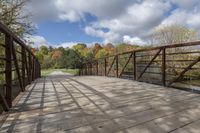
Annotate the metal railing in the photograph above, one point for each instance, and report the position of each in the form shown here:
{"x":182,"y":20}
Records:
{"x":170,"y":65}
{"x":18,"y":67}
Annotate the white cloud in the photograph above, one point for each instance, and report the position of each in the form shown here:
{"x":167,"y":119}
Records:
{"x":135,"y":18}
{"x":108,"y":36}
{"x":37,"y":41}
{"x":66,"y":45}
{"x":187,"y":18}
{"x":133,"y":40}
{"x":73,"y":10}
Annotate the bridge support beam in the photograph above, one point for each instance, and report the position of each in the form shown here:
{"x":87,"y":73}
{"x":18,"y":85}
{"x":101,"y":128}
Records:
{"x":8,"y":69}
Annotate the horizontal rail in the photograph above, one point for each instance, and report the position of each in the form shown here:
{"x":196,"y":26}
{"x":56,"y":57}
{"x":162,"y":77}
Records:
{"x":181,"y":60}
{"x":153,"y":48}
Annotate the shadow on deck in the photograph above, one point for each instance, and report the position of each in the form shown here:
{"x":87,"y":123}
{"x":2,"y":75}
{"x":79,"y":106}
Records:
{"x":63,"y":103}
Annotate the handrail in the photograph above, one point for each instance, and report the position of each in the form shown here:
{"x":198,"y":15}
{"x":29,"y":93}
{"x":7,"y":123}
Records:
{"x":169,"y":64}
{"x":27,"y":67}
{"x":183,"y":44}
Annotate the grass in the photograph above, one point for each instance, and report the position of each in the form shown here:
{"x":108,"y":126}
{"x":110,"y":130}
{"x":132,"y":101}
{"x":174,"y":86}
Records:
{"x":45,"y":72}
{"x":70,"y":71}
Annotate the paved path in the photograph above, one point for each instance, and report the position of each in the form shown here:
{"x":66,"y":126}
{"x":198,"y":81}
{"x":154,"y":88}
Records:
{"x":89,"y":104}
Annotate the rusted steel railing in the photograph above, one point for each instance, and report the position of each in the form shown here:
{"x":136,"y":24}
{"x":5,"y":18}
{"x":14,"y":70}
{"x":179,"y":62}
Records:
{"x":18,"y":67}
{"x":167,"y":65}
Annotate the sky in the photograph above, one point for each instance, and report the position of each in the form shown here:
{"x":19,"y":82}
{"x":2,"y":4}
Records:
{"x":68,"y":22}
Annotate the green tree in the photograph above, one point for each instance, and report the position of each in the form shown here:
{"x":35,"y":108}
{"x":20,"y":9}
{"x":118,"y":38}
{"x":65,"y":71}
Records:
{"x":44,"y":50}
{"x":101,"y":53}
{"x":171,"y":34}
{"x":79,"y":48}
{"x":13,"y":16}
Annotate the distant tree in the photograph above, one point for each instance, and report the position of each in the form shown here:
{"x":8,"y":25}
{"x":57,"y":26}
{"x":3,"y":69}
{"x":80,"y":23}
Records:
{"x":174,"y":33}
{"x":80,"y":50}
{"x":123,"y":47}
{"x":44,"y":50}
{"x":96,"y":48}
{"x":55,"y":57}
{"x":13,"y":16}
{"x":47,"y":62}
{"x":89,"y":55}
{"x":110,"y":48}
{"x":39,"y":56}
{"x":33,"y":50}
{"x":50,"y":48}
{"x":101,"y":53}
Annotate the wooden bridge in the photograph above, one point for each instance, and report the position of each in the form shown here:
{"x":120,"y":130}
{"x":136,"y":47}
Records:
{"x":107,"y":97}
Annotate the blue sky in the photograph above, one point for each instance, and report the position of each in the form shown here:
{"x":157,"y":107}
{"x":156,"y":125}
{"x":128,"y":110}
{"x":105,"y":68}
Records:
{"x":67,"y":22}
{"x":59,"y":32}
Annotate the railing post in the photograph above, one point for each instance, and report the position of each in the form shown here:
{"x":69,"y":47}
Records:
{"x":85,"y":69}
{"x":8,"y":69}
{"x":91,"y":70}
{"x":105,"y":67}
{"x":36,"y":69}
{"x":33,"y":69}
{"x":134,"y":66}
{"x":163,"y":66}
{"x":39,"y":70}
{"x":117,"y":69}
{"x":30,"y":67}
{"x":97,"y":68}
{"x":23,"y":54}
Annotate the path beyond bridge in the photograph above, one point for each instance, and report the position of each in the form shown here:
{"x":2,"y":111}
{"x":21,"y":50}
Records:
{"x":92,"y":104}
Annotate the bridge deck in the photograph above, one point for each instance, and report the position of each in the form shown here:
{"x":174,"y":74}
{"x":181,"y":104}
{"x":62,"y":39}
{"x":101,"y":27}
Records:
{"x":61,"y":103}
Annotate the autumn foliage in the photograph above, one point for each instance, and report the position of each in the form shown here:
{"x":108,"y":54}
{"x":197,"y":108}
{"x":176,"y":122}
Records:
{"x":73,"y":57}
{"x":56,"y":55}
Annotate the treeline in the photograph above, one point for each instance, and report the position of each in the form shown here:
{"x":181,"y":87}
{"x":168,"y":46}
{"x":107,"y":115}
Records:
{"x":50,"y":57}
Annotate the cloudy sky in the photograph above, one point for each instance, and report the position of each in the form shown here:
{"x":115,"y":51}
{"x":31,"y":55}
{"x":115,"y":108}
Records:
{"x":66,"y":22}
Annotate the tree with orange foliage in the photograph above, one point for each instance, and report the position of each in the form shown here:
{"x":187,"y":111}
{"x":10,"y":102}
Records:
{"x":33,"y":50}
{"x":56,"y":56}
{"x":110,"y":49}
{"x":96,"y":49}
